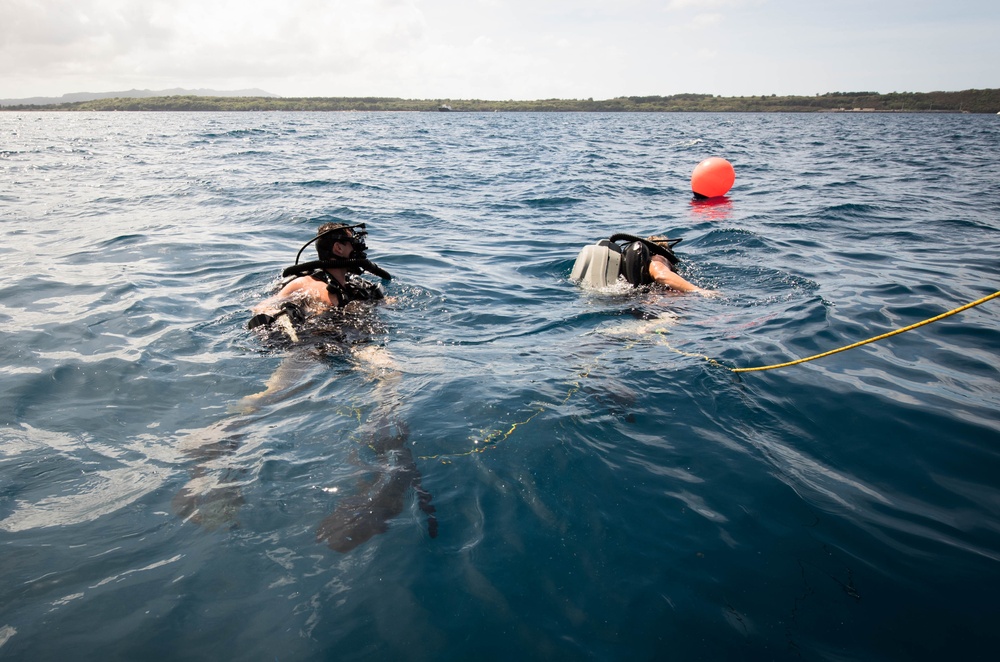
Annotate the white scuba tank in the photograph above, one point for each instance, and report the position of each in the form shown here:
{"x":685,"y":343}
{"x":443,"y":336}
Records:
{"x":598,"y":265}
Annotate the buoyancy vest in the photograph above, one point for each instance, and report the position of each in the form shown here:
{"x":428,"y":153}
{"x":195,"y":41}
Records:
{"x":635,"y":263}
{"x":355,"y":289}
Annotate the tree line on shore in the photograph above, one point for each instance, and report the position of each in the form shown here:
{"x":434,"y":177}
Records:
{"x":967,"y":101}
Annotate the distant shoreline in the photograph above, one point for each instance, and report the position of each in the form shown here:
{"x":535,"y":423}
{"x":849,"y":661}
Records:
{"x":968,"y":101}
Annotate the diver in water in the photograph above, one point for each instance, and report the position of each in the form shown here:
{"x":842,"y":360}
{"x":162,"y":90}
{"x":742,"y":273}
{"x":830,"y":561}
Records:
{"x":333,"y":281}
{"x":640,"y":262}
{"x":324,"y":306}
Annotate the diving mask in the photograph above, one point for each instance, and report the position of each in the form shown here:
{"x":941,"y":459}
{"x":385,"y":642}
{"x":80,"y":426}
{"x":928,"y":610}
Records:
{"x":356,"y":239}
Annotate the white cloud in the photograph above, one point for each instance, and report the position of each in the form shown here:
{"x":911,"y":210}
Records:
{"x":701,"y":5}
{"x":495,"y":48}
{"x":705,"y":21}
{"x":213,"y":40}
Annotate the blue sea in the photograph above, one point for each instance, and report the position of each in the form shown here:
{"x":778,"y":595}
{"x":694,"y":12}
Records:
{"x":604,"y":487}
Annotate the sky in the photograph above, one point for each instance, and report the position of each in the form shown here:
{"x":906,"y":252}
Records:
{"x":499,"y":49}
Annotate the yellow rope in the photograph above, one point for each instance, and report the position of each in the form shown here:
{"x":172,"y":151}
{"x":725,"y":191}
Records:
{"x":870,"y":340}
{"x":497,"y":436}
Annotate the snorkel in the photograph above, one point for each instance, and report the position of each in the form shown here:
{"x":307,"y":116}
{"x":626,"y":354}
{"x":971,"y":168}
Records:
{"x":356,"y":264}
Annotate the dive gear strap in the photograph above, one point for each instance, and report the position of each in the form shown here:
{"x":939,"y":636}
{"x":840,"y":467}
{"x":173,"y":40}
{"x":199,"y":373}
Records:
{"x":354,"y":265}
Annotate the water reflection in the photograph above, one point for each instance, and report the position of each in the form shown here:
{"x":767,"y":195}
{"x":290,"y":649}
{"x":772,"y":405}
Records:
{"x":711,"y":209}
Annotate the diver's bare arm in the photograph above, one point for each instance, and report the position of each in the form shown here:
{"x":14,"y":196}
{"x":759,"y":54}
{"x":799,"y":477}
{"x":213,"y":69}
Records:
{"x":662,"y":274}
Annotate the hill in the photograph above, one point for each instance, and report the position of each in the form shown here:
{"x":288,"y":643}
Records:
{"x":967,"y":101}
{"x":77,"y":97}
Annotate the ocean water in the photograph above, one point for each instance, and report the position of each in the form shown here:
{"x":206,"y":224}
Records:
{"x":601,"y":490}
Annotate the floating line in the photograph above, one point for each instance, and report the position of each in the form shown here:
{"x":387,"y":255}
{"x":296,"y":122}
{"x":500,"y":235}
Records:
{"x":498,"y":436}
{"x":874,"y":339}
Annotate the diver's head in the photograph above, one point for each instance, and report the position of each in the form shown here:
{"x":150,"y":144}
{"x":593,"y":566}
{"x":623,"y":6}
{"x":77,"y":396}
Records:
{"x":667,"y":244}
{"x":340,"y":240}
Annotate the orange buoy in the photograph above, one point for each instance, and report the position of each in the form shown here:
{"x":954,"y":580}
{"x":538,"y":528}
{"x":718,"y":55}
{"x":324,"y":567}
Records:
{"x":712,"y":177}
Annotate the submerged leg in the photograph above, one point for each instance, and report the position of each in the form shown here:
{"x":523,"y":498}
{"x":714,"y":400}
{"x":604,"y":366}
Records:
{"x":289,"y":372}
{"x":365,"y":514}
{"x":211,"y":498}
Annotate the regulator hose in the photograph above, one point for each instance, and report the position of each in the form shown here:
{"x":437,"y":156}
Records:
{"x":653,"y":247}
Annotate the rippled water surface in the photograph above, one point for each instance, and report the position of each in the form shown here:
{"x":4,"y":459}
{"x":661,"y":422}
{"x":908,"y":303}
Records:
{"x":601,"y":490}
